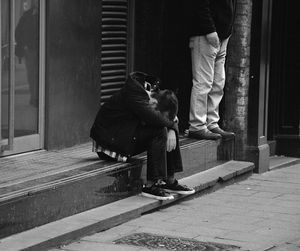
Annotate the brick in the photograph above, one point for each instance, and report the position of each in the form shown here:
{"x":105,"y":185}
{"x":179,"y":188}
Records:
{"x":244,"y":8}
{"x":241,"y":111}
{"x":242,"y":91}
{"x":242,"y":101}
{"x":243,"y":19}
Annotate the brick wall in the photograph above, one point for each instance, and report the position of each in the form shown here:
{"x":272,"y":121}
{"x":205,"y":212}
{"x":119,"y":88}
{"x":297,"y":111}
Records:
{"x":235,"y":114}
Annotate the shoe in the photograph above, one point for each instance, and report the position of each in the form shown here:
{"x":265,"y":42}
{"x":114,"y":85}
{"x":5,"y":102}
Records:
{"x":103,"y":156}
{"x":224,"y":134}
{"x":184,"y":132}
{"x":177,"y":188}
{"x":204,"y":134}
{"x":155,"y":192}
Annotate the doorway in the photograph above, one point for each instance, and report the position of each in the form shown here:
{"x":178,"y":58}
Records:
{"x":284,"y":103}
{"x":21,"y":75}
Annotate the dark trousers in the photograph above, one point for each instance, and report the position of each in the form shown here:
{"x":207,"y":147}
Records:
{"x":160,"y":163}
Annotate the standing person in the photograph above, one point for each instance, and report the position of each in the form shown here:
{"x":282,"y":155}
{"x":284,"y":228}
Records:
{"x":210,"y":27}
{"x":27,"y":46}
{"x":141,"y":118}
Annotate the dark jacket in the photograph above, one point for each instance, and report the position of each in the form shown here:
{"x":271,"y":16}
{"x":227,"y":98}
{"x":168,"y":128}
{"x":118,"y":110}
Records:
{"x":27,"y":30}
{"x":116,"y":122}
{"x":207,"y":16}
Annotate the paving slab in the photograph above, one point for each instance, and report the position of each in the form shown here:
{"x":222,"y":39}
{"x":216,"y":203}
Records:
{"x":256,"y":223}
{"x":110,"y":215}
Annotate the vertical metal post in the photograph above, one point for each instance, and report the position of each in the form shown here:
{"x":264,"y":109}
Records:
{"x":11,"y":117}
{"x":42,"y":70}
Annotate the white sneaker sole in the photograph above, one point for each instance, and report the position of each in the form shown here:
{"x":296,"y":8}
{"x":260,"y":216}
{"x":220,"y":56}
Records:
{"x":180,"y":192}
{"x":171,"y":197}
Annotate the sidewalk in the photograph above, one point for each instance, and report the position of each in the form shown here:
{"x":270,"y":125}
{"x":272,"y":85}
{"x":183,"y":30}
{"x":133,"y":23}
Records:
{"x":260,"y":213}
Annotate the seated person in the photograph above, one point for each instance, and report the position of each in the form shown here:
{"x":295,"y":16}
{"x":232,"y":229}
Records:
{"x":139,"y":118}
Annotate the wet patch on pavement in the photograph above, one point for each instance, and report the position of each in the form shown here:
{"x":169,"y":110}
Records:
{"x":172,"y":243}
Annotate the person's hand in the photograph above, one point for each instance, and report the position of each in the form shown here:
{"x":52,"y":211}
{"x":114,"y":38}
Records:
{"x":152,"y":101}
{"x":171,"y":141}
{"x":213,"y":39}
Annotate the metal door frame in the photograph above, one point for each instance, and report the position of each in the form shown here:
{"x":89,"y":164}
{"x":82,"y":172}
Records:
{"x":14,"y":145}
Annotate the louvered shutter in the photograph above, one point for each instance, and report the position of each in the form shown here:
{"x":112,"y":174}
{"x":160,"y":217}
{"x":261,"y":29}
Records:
{"x":113,"y":46}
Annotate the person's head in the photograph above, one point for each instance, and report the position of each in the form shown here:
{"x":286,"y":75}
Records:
{"x":167,"y":102}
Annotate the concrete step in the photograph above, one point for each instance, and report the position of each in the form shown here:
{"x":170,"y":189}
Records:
{"x":29,"y":199}
{"x":282,"y":161}
{"x":288,"y":145}
{"x":272,"y":147}
{"x":101,"y":218}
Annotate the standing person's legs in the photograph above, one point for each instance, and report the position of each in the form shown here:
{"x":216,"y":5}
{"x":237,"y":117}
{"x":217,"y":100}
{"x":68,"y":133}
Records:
{"x":203,"y":57}
{"x":216,"y":93}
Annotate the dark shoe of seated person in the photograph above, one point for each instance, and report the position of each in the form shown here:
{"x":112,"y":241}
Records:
{"x":175,"y":187}
{"x":204,"y":134}
{"x":224,"y":134}
{"x":155,"y":192}
{"x":103,"y":156}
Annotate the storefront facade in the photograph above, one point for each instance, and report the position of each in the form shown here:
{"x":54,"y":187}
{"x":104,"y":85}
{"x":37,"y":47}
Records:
{"x":87,"y":48}
{"x":49,"y":100}
{"x":22,"y":76}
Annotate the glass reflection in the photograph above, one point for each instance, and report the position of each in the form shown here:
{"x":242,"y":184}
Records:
{"x":26,"y":67}
{"x":5,"y":66}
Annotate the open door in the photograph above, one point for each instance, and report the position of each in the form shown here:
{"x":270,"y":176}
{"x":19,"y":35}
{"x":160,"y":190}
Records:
{"x":284,"y":101}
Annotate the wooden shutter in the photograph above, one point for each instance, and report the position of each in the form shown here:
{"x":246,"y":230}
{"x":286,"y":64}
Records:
{"x":113,"y":46}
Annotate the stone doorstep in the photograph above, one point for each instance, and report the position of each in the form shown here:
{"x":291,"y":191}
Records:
{"x":75,"y":186}
{"x":102,"y":218}
{"x":277,"y":162}
{"x":71,"y":169}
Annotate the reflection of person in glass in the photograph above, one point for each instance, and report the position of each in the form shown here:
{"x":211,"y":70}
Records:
{"x":27,"y":46}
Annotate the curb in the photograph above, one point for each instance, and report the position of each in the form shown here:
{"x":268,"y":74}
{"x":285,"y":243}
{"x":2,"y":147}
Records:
{"x":277,"y":162}
{"x":102,"y":218}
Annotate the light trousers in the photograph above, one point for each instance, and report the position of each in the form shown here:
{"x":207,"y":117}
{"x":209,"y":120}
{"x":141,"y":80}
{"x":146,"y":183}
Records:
{"x":208,"y":68}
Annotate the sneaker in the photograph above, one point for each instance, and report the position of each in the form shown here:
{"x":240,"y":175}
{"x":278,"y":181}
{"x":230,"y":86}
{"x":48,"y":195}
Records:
{"x":155,"y":192}
{"x":177,"y":188}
